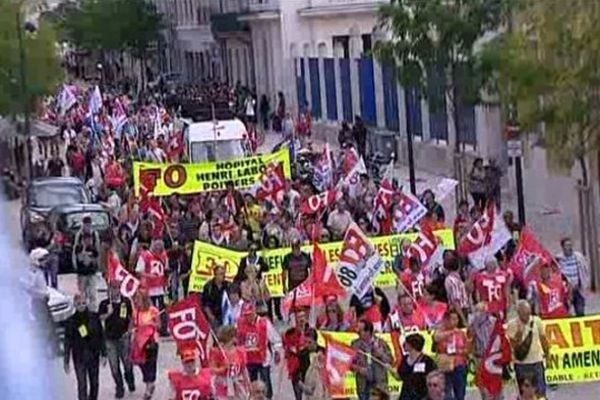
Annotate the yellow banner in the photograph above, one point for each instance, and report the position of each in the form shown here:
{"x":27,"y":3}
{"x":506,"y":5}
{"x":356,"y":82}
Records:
{"x":205,"y":255}
{"x":574,"y":353}
{"x":204,"y":177}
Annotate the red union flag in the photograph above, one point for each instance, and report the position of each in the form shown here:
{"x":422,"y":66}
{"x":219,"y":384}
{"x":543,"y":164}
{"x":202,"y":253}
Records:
{"x":318,"y":202}
{"x":271,"y":183}
{"x":338,"y":361}
{"x":488,"y":235}
{"x":497,"y":354}
{"x":324,"y":278}
{"x":408,"y":212}
{"x":423,"y":247}
{"x":301,"y":296}
{"x":529,"y":256}
{"x":128,"y":283}
{"x":382,"y":204}
{"x":189,"y":326}
{"x":356,"y":246}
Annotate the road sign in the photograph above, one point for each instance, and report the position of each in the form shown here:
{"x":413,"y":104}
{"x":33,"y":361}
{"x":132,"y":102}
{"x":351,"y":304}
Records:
{"x":514,"y":148}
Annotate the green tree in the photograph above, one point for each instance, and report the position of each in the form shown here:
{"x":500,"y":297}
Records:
{"x":440,"y":37}
{"x":548,"y":68}
{"x":113,"y":25}
{"x":548,"y":71}
{"x":39,"y":63}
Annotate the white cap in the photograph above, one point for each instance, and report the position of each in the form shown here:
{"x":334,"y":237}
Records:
{"x":36,"y":256}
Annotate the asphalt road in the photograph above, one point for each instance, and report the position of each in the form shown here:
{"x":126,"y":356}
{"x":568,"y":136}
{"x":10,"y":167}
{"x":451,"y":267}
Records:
{"x":168,"y":360}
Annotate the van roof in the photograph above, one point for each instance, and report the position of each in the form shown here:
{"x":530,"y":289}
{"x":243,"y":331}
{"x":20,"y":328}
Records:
{"x":232,"y":129}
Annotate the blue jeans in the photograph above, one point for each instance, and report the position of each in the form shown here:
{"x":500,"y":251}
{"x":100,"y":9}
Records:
{"x":536,"y":369}
{"x":456,"y":383}
{"x":578,"y":302}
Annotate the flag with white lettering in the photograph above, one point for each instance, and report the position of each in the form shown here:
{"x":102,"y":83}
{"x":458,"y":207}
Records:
{"x":358,"y":262}
{"x":128,"y":283}
{"x":338,"y":361}
{"x":497,"y":354}
{"x":485,"y":238}
{"x":529,"y":257}
{"x":408,"y":212}
{"x":188,"y":325}
{"x":317,"y":203}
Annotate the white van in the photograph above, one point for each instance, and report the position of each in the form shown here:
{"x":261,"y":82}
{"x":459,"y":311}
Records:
{"x":215,"y":140}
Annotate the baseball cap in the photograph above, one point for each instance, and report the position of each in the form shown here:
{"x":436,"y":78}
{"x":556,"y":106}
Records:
{"x":37,"y":254}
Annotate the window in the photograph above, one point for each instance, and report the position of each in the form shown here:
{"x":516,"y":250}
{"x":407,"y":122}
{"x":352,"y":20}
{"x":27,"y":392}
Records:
{"x":344,"y":43}
{"x":367,"y":42}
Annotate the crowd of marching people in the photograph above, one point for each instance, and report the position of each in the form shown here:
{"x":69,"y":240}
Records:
{"x":452,"y":309}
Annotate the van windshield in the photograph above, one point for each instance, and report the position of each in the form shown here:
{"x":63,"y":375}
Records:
{"x":217,"y":151}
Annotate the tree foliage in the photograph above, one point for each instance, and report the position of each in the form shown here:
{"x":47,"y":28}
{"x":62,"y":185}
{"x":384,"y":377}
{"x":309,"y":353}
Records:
{"x":130,"y":25}
{"x":429,"y":36}
{"x":548,"y":68}
{"x":42,"y":67}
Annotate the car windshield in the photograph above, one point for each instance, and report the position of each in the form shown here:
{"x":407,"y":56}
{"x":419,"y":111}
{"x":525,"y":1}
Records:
{"x":51,"y":196}
{"x":100,"y":220}
{"x":221,"y":150}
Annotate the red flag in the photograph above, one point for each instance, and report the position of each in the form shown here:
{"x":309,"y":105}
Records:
{"x":408,"y":212}
{"x":397,"y":346}
{"x":301,"y":296}
{"x":317,"y":203}
{"x":338,"y":361}
{"x":497,"y":354}
{"x":323,"y":275}
{"x":272,"y":183}
{"x":382,"y":205}
{"x":423,"y":247}
{"x":529,"y":256}
{"x":189,"y":326}
{"x":488,"y":235}
{"x":129,"y":284}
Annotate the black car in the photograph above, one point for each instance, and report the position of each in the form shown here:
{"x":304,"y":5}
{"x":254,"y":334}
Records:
{"x":41,"y":195}
{"x":65,"y":222}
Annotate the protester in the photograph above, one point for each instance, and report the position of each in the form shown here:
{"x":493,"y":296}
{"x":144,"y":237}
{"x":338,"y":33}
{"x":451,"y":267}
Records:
{"x":228,"y":365}
{"x":477,"y":183}
{"x":528,"y":388}
{"x":549,"y":295}
{"x":84,"y":344}
{"x":436,"y":386}
{"x":414,"y":368}
{"x":191,"y":382}
{"x":262,"y":344}
{"x":575,"y":268}
{"x":212,"y":296}
{"x":87,"y":259}
{"x":451,"y":346}
{"x":373,"y":355}
{"x":146,"y":321}
{"x":116,"y":312}
{"x":152,"y":266}
{"x":530,"y":345}
{"x":296,"y":267}
{"x":314,"y":386}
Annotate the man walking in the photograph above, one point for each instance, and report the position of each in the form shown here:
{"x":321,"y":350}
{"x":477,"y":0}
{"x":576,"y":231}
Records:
{"x":372,"y":354}
{"x":116,"y":313}
{"x":575,"y":269}
{"x":87,"y":264}
{"x":530,"y":345}
{"x":84,"y":343}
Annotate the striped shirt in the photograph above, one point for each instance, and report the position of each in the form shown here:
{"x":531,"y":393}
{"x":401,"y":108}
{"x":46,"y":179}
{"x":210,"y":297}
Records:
{"x":455,"y":290}
{"x":569,"y":266}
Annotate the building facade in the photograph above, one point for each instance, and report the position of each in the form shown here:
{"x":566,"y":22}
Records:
{"x":188,"y":46}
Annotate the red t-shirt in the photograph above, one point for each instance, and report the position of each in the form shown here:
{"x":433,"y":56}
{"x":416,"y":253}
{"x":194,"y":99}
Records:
{"x":235,"y":361}
{"x":491,"y":288}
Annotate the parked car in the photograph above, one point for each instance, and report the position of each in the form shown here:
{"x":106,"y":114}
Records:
{"x":66,"y":220}
{"x":41,"y":195}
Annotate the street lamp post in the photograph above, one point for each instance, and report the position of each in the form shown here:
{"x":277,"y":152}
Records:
{"x":24,"y":94}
